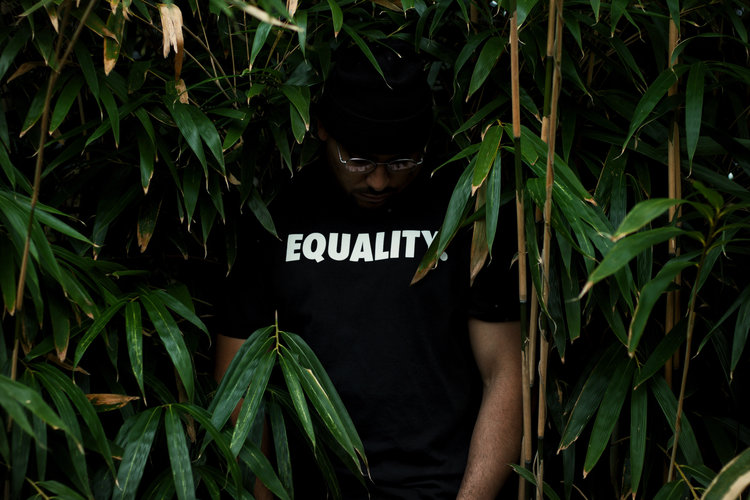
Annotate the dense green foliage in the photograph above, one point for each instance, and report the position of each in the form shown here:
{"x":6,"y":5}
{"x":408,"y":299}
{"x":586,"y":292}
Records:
{"x":147,"y":151}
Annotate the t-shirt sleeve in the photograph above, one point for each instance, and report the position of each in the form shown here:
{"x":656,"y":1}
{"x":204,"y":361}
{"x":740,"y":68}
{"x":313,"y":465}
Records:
{"x":245,"y":298}
{"x":493,"y":297}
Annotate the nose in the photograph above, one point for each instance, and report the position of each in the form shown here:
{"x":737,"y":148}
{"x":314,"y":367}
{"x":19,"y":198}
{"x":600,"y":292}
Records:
{"x":378,"y":179}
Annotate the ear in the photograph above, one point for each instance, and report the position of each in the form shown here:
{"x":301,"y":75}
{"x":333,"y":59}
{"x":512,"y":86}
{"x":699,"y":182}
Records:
{"x":322,"y":132}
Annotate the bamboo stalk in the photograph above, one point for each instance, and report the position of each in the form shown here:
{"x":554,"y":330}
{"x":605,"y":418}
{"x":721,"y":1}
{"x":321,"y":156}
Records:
{"x":521,"y":241}
{"x":554,"y":55}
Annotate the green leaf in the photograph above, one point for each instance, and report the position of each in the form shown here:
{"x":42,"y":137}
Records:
{"x":299,"y":97}
{"x":15,"y":44}
{"x":35,"y":110}
{"x":668,"y":404}
{"x":184,"y":120}
{"x":88,"y":69}
{"x":260,"y":210}
{"x":488,"y":57}
{"x":741,"y":330}
{"x":60,"y":490}
{"x":281,"y":446}
{"x":651,"y":98}
{"x":694,"y":107}
{"x":643,"y":213}
{"x":617,"y":9}
{"x":64,"y":102}
{"x":591,"y":395}
{"x":179,"y":457}
{"x":486,"y":155}
{"x":113,"y":112}
{"x":147,"y":156}
{"x":711,"y":195}
{"x":530,"y":477}
{"x":608,"y":414}
{"x":253,"y":398}
{"x":134,"y":337}
{"x":85,"y":409}
{"x":363,"y":47}
{"x":337,"y":16}
{"x":663,"y":351}
{"x":238,"y":375}
{"x":137,"y":443}
{"x":523,"y":8}
{"x":494,"y":188}
{"x":259,"y":464}
{"x":627,"y":248}
{"x":291,"y":375}
{"x":207,"y":131}
{"x":180,"y":308}
{"x":638,"y":434}
{"x":18,"y":396}
{"x":731,"y":481}
{"x":96,"y":327}
{"x":650,"y":293}
{"x":171,"y":336}
{"x":261,"y":34}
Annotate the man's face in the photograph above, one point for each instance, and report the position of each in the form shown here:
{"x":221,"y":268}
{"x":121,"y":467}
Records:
{"x":370,"y":189}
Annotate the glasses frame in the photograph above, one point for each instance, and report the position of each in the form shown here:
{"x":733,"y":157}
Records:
{"x":389,"y":165}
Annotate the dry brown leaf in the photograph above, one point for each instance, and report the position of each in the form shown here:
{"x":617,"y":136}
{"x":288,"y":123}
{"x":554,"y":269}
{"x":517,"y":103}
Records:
{"x":24,"y":68}
{"x":182,"y":92}
{"x":115,"y":400}
{"x":264,"y":16}
{"x":65,"y":364}
{"x":291,"y":6}
{"x":171,"y":24}
{"x":53,"y":17}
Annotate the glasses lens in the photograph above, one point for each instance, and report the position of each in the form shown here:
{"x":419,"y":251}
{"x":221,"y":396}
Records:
{"x":359,"y":165}
{"x":402,"y":164}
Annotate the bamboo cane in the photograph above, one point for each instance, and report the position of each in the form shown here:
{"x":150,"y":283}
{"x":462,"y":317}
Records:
{"x":521,"y":238}
{"x":554,"y":55}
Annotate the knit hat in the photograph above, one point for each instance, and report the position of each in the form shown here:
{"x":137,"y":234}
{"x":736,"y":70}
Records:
{"x":365,"y":114}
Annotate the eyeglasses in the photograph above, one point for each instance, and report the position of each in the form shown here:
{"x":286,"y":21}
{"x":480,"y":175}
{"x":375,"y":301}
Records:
{"x":364,"y":166}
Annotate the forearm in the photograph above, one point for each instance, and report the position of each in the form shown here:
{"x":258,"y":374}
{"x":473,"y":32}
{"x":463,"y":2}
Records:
{"x":495,"y":442}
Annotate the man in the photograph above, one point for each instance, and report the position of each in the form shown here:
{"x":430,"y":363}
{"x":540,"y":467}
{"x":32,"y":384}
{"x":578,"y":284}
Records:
{"x":429,"y":372}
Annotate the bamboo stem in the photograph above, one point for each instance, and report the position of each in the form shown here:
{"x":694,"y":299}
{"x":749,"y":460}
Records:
{"x":554,"y":55}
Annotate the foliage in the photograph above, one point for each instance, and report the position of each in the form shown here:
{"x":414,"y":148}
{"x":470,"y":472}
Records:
{"x":133,"y":134}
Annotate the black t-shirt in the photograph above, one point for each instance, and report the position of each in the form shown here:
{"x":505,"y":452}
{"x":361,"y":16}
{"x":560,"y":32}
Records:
{"x":398,"y":354}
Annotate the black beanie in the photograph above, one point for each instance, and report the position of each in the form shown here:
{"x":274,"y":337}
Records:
{"x":365,"y":114}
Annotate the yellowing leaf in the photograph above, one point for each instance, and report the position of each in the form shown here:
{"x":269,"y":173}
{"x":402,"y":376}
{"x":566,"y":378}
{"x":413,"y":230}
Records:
{"x":171,"y":25}
{"x":182,"y":92}
{"x":291,"y":6}
{"x":116,"y":400}
{"x":265,"y":17}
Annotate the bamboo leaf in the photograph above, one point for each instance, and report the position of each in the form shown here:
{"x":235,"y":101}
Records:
{"x":134,"y":338}
{"x":650,"y":293}
{"x":260,"y":210}
{"x":523,"y":8}
{"x":238,"y":375}
{"x":15,"y":44}
{"x":488,"y":57}
{"x":137,"y":443}
{"x":96,"y":327}
{"x":694,"y":107}
{"x":60,"y":327}
{"x":259,"y":464}
{"x":309,"y":360}
{"x":638,"y":434}
{"x":492,"y":213}
{"x":85,"y":409}
{"x":179,"y":457}
{"x":486,"y":156}
{"x":253,"y":398}
{"x":64,"y":102}
{"x":651,"y":98}
{"x":147,"y":156}
{"x":663,"y":351}
{"x":281,"y":446}
{"x":617,"y":9}
{"x":184,"y":120}
{"x":116,"y":26}
{"x":35,"y":111}
{"x":741,"y":330}
{"x":171,"y":336}
{"x":179,"y":307}
{"x":299,"y":97}
{"x":591,"y":395}
{"x":207,"y":131}
{"x":643,"y":213}
{"x":337,"y":16}
{"x":363,"y":47}
{"x":731,"y":481}
{"x":61,"y":490}
{"x":88,"y":69}
{"x":668,"y":404}
{"x":608,"y":414}
{"x":261,"y":34}
{"x":291,"y":375}
{"x":627,"y":248}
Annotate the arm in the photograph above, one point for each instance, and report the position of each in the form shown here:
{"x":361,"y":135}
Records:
{"x":226,"y":348}
{"x":496,"y":441}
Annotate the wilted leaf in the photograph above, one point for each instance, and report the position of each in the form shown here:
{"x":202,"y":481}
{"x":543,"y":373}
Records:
{"x":171,"y":25}
{"x":112,"y":400}
{"x":116,"y":26}
{"x":147,"y":217}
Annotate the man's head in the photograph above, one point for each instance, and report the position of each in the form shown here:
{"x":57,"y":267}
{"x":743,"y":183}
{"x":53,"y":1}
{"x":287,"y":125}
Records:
{"x":375,"y":130}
